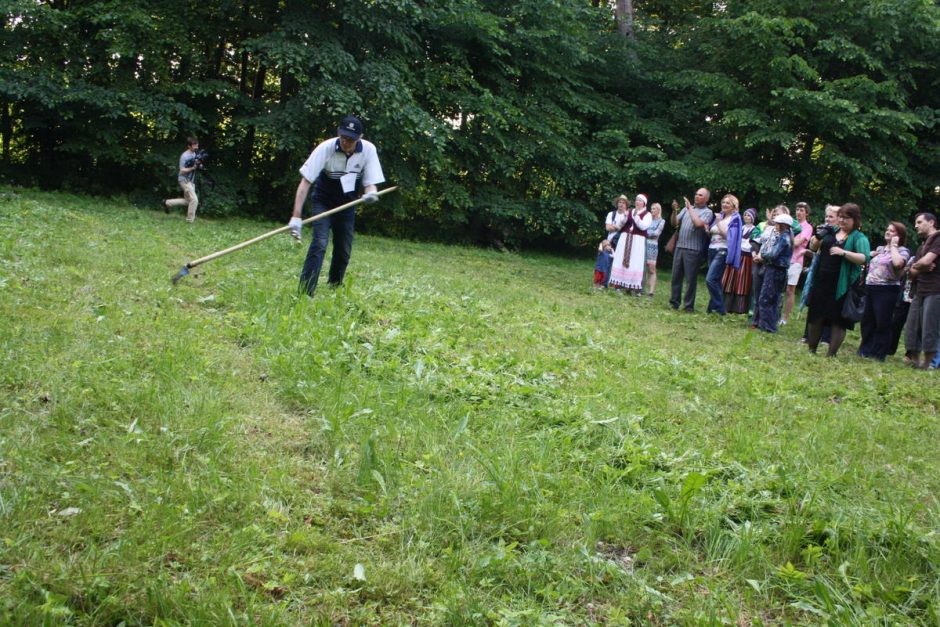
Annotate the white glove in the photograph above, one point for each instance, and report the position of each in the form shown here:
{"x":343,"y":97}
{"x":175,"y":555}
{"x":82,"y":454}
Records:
{"x":370,"y":198}
{"x":295,"y":224}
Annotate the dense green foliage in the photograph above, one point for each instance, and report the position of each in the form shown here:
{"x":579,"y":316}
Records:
{"x":509,"y":121}
{"x":423,"y":447}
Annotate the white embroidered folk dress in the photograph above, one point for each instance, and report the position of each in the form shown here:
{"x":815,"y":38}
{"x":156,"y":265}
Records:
{"x":630,"y":256}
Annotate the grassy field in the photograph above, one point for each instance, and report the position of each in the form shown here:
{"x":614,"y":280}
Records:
{"x":455,"y":436}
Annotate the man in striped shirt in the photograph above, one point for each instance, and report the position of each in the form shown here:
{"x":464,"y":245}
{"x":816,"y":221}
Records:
{"x":693,"y":223}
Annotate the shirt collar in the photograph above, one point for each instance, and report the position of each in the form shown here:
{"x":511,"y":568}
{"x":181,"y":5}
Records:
{"x":338,"y":149}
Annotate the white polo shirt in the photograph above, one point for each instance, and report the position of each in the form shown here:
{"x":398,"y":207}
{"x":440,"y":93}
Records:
{"x":334,"y":175}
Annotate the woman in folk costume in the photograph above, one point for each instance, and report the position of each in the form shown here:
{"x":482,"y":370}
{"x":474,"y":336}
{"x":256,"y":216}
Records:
{"x":736,"y":282}
{"x":630,"y":257}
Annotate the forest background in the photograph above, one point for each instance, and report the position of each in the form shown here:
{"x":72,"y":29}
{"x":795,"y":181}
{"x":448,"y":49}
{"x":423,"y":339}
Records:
{"x":508,"y":123}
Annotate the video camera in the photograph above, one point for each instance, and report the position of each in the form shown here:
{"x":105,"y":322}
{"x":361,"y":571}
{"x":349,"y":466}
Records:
{"x":825,"y":229}
{"x":198,"y":159}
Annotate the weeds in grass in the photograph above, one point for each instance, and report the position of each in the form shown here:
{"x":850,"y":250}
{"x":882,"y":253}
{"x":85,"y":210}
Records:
{"x":455,"y":436}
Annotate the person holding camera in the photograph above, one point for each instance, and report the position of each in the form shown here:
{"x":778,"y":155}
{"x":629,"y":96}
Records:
{"x":830,"y":218}
{"x":337,"y":171}
{"x":190,"y":161}
{"x":842,"y":254}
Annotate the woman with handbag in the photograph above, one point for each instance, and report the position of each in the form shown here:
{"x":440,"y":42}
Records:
{"x":842,"y":254}
{"x":882,"y":287}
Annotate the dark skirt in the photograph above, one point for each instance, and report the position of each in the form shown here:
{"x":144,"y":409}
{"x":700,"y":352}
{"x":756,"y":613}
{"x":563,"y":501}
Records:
{"x":823,"y":304}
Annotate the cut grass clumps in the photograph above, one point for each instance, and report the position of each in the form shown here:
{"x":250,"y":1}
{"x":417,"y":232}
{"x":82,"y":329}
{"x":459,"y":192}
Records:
{"x":453,"y":436}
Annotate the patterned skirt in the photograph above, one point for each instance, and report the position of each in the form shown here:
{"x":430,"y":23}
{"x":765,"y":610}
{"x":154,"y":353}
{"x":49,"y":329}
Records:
{"x":736,"y":284}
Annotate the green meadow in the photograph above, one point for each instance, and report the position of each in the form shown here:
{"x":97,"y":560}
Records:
{"x":455,"y":436}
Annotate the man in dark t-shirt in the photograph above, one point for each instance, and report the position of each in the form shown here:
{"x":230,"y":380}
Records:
{"x":923,"y":319}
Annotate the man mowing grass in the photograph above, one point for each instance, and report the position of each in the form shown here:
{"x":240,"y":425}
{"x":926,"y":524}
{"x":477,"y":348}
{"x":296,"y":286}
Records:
{"x":337,"y":170}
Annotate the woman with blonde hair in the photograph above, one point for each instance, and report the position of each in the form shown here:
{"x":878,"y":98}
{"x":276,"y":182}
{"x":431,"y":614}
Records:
{"x":831,"y":218}
{"x":724,"y":249}
{"x":652,"y":246}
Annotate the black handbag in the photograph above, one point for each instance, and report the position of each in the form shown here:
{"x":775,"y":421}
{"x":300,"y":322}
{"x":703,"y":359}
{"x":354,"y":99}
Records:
{"x":853,"y":307}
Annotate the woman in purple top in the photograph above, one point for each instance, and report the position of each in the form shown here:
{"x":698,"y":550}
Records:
{"x":882,"y":286}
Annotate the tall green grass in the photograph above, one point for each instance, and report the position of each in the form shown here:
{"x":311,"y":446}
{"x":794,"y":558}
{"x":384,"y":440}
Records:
{"x":454,"y":436}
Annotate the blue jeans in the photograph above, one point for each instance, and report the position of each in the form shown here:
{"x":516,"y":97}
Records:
{"x":716,"y":269}
{"x":342,"y":225}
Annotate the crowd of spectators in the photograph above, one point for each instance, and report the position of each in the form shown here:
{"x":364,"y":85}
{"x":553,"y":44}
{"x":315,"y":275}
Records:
{"x":755,"y":268}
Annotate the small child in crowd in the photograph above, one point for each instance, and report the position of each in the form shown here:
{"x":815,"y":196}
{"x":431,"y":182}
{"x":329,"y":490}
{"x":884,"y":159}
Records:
{"x":605,"y":257}
{"x":776,"y":262}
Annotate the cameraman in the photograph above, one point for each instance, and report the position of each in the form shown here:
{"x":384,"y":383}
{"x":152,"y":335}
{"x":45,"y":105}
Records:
{"x":189,"y":163}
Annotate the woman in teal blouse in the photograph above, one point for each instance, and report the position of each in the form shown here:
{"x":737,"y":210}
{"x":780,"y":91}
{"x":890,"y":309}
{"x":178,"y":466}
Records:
{"x":842,"y":255}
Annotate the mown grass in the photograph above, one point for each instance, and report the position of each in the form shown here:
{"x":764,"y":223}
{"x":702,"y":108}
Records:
{"x":455,"y":436}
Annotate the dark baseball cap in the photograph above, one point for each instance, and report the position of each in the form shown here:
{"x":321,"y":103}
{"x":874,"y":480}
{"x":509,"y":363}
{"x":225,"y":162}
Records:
{"x":350,"y":127}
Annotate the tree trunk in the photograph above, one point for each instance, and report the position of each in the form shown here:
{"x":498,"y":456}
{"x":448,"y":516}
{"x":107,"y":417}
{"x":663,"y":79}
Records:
{"x":257,"y":94}
{"x":804,"y":170}
{"x":624,"y":15}
{"x":6,"y":129}
{"x":243,"y":74}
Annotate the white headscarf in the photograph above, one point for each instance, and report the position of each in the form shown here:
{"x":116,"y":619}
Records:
{"x":645,"y":200}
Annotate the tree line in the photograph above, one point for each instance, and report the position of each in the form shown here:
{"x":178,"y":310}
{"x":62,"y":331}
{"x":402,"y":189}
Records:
{"x":507,"y":122}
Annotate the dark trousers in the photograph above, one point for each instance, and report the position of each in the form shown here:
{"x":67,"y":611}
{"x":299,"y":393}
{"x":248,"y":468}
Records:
{"x":898,"y":319}
{"x":342,"y":225}
{"x":880,"y":301}
{"x":757,"y":282}
{"x":685,"y":265}
{"x":923,"y":324}
{"x":768,"y":303}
